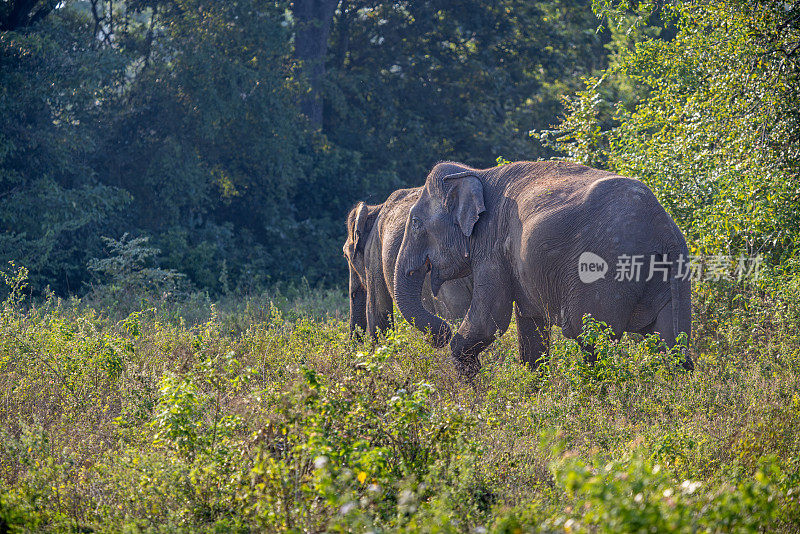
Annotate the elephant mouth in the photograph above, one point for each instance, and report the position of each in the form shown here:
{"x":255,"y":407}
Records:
{"x":436,"y":281}
{"x":436,"y":278}
{"x":424,"y":269}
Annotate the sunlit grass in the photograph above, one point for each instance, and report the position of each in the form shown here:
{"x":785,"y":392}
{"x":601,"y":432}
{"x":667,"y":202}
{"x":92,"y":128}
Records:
{"x":257,"y":419}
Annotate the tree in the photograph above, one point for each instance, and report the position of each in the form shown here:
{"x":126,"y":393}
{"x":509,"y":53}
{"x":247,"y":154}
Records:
{"x":714,"y":131}
{"x":235,"y":135}
{"x":52,"y":202}
{"x":312,"y":27}
{"x":207,"y":141}
{"x":18,"y":14}
{"x":415,"y":82}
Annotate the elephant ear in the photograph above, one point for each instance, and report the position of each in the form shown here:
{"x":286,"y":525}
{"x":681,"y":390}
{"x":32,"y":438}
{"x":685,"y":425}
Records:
{"x":463,"y":199}
{"x":360,"y":226}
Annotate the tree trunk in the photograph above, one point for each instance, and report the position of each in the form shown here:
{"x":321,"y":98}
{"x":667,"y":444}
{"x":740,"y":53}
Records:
{"x":18,"y":14}
{"x":313,"y":26}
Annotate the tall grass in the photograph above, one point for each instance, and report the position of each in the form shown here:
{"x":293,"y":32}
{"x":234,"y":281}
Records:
{"x":263,"y":416}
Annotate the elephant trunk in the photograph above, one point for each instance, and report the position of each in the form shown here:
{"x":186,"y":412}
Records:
{"x":408,"y":295}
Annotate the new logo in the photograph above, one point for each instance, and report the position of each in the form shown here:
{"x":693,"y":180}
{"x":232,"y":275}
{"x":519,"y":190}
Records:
{"x":591,"y":267}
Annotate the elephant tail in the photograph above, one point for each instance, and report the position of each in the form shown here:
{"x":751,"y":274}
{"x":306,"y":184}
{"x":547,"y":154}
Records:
{"x":675,"y":291}
{"x":681,"y":297}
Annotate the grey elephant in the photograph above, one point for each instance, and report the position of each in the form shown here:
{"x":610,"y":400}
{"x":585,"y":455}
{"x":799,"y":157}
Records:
{"x":543,"y":238}
{"x":374,"y":236}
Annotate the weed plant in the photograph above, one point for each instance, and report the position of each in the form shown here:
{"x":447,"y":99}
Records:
{"x":265,"y":416}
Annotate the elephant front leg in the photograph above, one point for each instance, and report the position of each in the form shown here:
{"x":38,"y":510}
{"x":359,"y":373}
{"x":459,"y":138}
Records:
{"x":379,"y":306}
{"x":358,"y":307}
{"x":489,"y":315}
{"x":379,"y":318}
{"x":533,"y":335}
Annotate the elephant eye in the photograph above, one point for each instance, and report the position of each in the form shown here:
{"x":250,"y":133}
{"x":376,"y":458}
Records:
{"x":416,"y":224}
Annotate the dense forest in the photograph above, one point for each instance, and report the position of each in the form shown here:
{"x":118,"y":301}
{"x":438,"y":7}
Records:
{"x":235,"y":135}
{"x":174,"y":351}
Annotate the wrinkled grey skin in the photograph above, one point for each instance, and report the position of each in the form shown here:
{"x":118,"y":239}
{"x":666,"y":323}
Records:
{"x":519,"y":230}
{"x":374,"y":235}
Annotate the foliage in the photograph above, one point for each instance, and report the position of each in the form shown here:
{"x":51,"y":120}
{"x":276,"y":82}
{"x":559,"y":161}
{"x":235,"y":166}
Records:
{"x":712,"y":128}
{"x":418,"y":82}
{"x":279,"y":422}
{"x":127,"y":279}
{"x":208,"y":143}
{"x":638,"y":495}
{"x":179,"y":120}
{"x":52,"y":201}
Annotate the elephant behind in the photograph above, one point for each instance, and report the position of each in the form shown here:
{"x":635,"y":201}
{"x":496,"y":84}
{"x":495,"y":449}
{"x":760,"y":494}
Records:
{"x":374,"y":236}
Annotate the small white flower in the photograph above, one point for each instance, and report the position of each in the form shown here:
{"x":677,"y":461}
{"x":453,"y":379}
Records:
{"x":689,"y":486}
{"x":347,"y":508}
{"x":320,"y":462}
{"x":656,"y":469}
{"x":668,"y":493}
{"x":639,"y":498}
{"x":406,"y":496}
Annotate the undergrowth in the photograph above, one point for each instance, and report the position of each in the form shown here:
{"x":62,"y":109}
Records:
{"x":261,"y":420}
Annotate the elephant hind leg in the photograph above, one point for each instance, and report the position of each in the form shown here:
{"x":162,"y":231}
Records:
{"x":533,"y":335}
{"x":379,"y":318}
{"x":664,"y":327}
{"x":573,"y":327}
{"x":379,"y":312}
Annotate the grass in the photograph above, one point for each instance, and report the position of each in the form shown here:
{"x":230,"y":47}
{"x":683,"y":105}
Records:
{"x":261,"y":415}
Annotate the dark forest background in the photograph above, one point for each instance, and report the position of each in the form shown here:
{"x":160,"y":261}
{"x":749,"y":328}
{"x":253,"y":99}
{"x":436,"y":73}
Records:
{"x":235,"y":135}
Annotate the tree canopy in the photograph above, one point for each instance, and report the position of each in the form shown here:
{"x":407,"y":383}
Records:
{"x":235,"y":135}
{"x":712,"y":126}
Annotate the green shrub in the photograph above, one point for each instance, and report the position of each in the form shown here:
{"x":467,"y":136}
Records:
{"x":710,"y":124}
{"x":258,"y":420}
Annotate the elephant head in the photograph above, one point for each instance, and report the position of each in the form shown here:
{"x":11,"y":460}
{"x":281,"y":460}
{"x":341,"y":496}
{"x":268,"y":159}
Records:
{"x":359,"y":224}
{"x":357,"y":232}
{"x":437,"y":239}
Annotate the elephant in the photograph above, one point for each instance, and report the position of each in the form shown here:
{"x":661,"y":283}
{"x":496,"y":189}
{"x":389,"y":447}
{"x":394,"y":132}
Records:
{"x":374,"y":235}
{"x":538,"y":238}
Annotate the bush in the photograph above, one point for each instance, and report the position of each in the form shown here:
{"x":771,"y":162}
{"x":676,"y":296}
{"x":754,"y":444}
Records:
{"x":708,"y":122}
{"x":254,"y":420}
